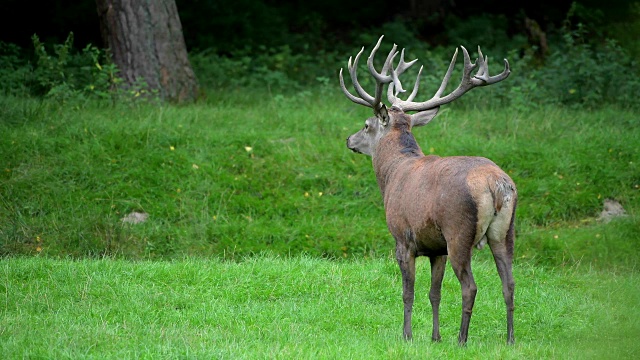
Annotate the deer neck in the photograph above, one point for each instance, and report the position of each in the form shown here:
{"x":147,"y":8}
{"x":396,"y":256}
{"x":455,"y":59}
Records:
{"x":394,"y":149}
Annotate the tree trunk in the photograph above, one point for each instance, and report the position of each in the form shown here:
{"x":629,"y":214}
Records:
{"x":146,"y":43}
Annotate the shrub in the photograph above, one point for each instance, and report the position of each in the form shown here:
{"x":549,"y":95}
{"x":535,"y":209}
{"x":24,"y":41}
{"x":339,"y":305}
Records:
{"x":15,"y":71}
{"x":67,"y":75}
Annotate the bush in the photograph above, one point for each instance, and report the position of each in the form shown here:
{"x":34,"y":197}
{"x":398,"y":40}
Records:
{"x":15,"y":71}
{"x":583,"y":73}
{"x":61,"y":73}
{"x":279,"y":69}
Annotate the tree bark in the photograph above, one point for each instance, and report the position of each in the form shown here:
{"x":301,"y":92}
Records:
{"x":146,"y":42}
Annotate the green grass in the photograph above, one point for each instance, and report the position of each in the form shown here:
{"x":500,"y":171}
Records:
{"x":245,"y":173}
{"x":249,"y":174}
{"x":301,"y":307}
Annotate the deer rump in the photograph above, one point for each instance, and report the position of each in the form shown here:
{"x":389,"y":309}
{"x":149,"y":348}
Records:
{"x":469,"y":197}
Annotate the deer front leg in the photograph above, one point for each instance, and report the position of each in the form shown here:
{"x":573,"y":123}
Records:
{"x":437,"y":274}
{"x":407,"y":263}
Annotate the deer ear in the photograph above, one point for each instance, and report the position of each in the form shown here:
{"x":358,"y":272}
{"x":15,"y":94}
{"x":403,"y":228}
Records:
{"x":423,"y":117}
{"x":383,"y":115}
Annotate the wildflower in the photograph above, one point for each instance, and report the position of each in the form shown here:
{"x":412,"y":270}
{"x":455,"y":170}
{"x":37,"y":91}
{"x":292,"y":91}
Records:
{"x":248,"y":148}
{"x":306,"y":194}
{"x":320,"y":193}
{"x":195,"y":166}
{"x":572,"y":91}
{"x":172,"y":148}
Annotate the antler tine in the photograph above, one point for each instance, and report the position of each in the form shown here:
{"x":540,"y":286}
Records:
{"x":381,"y":76}
{"x":445,"y":81}
{"x":395,"y":86}
{"x":503,"y":75}
{"x":483,"y":67}
{"x":403,"y":65}
{"x":395,"y":80}
{"x":468,"y":82}
{"x":447,"y":76}
{"x":355,"y":99}
{"x":468,"y":65}
{"x":353,"y":69}
{"x":415,"y":86}
{"x":395,"y":73}
{"x":483,"y":72}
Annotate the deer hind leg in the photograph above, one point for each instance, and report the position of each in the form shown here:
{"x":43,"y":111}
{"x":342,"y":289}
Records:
{"x":406,"y":260}
{"x":437,"y":274}
{"x":460,"y":259}
{"x":501,"y":241}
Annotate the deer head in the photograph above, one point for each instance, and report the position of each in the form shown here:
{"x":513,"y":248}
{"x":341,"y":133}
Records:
{"x":365,"y":140}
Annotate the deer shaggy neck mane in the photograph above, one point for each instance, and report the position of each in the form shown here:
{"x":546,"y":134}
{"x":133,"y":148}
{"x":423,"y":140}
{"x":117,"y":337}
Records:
{"x":400,"y":136}
{"x":396,"y":147}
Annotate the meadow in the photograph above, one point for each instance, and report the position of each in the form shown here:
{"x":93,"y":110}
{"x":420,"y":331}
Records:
{"x":244,"y":173}
{"x":266,"y":237}
{"x":302,"y":307}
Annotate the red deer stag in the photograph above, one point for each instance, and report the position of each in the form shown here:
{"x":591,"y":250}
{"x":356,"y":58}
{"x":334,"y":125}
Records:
{"x":435,"y":206}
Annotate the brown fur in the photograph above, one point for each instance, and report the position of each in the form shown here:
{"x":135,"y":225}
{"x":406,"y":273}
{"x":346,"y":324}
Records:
{"x":443,"y":206}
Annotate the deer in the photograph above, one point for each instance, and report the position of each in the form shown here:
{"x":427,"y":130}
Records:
{"x":438,"y":207}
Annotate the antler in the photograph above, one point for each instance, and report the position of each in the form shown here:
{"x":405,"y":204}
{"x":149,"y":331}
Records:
{"x":481,"y":78}
{"x":381,"y":78}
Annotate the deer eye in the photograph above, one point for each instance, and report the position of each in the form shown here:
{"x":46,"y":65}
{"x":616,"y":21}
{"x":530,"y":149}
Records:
{"x":366,"y":126}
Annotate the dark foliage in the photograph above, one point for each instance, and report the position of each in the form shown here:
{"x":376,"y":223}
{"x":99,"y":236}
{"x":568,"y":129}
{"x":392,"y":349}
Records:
{"x":570,"y":53}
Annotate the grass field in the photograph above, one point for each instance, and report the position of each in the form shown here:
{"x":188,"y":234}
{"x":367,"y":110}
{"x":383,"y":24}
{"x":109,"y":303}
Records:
{"x":266,"y":236}
{"x":302,"y":307}
{"x":243,"y":174}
